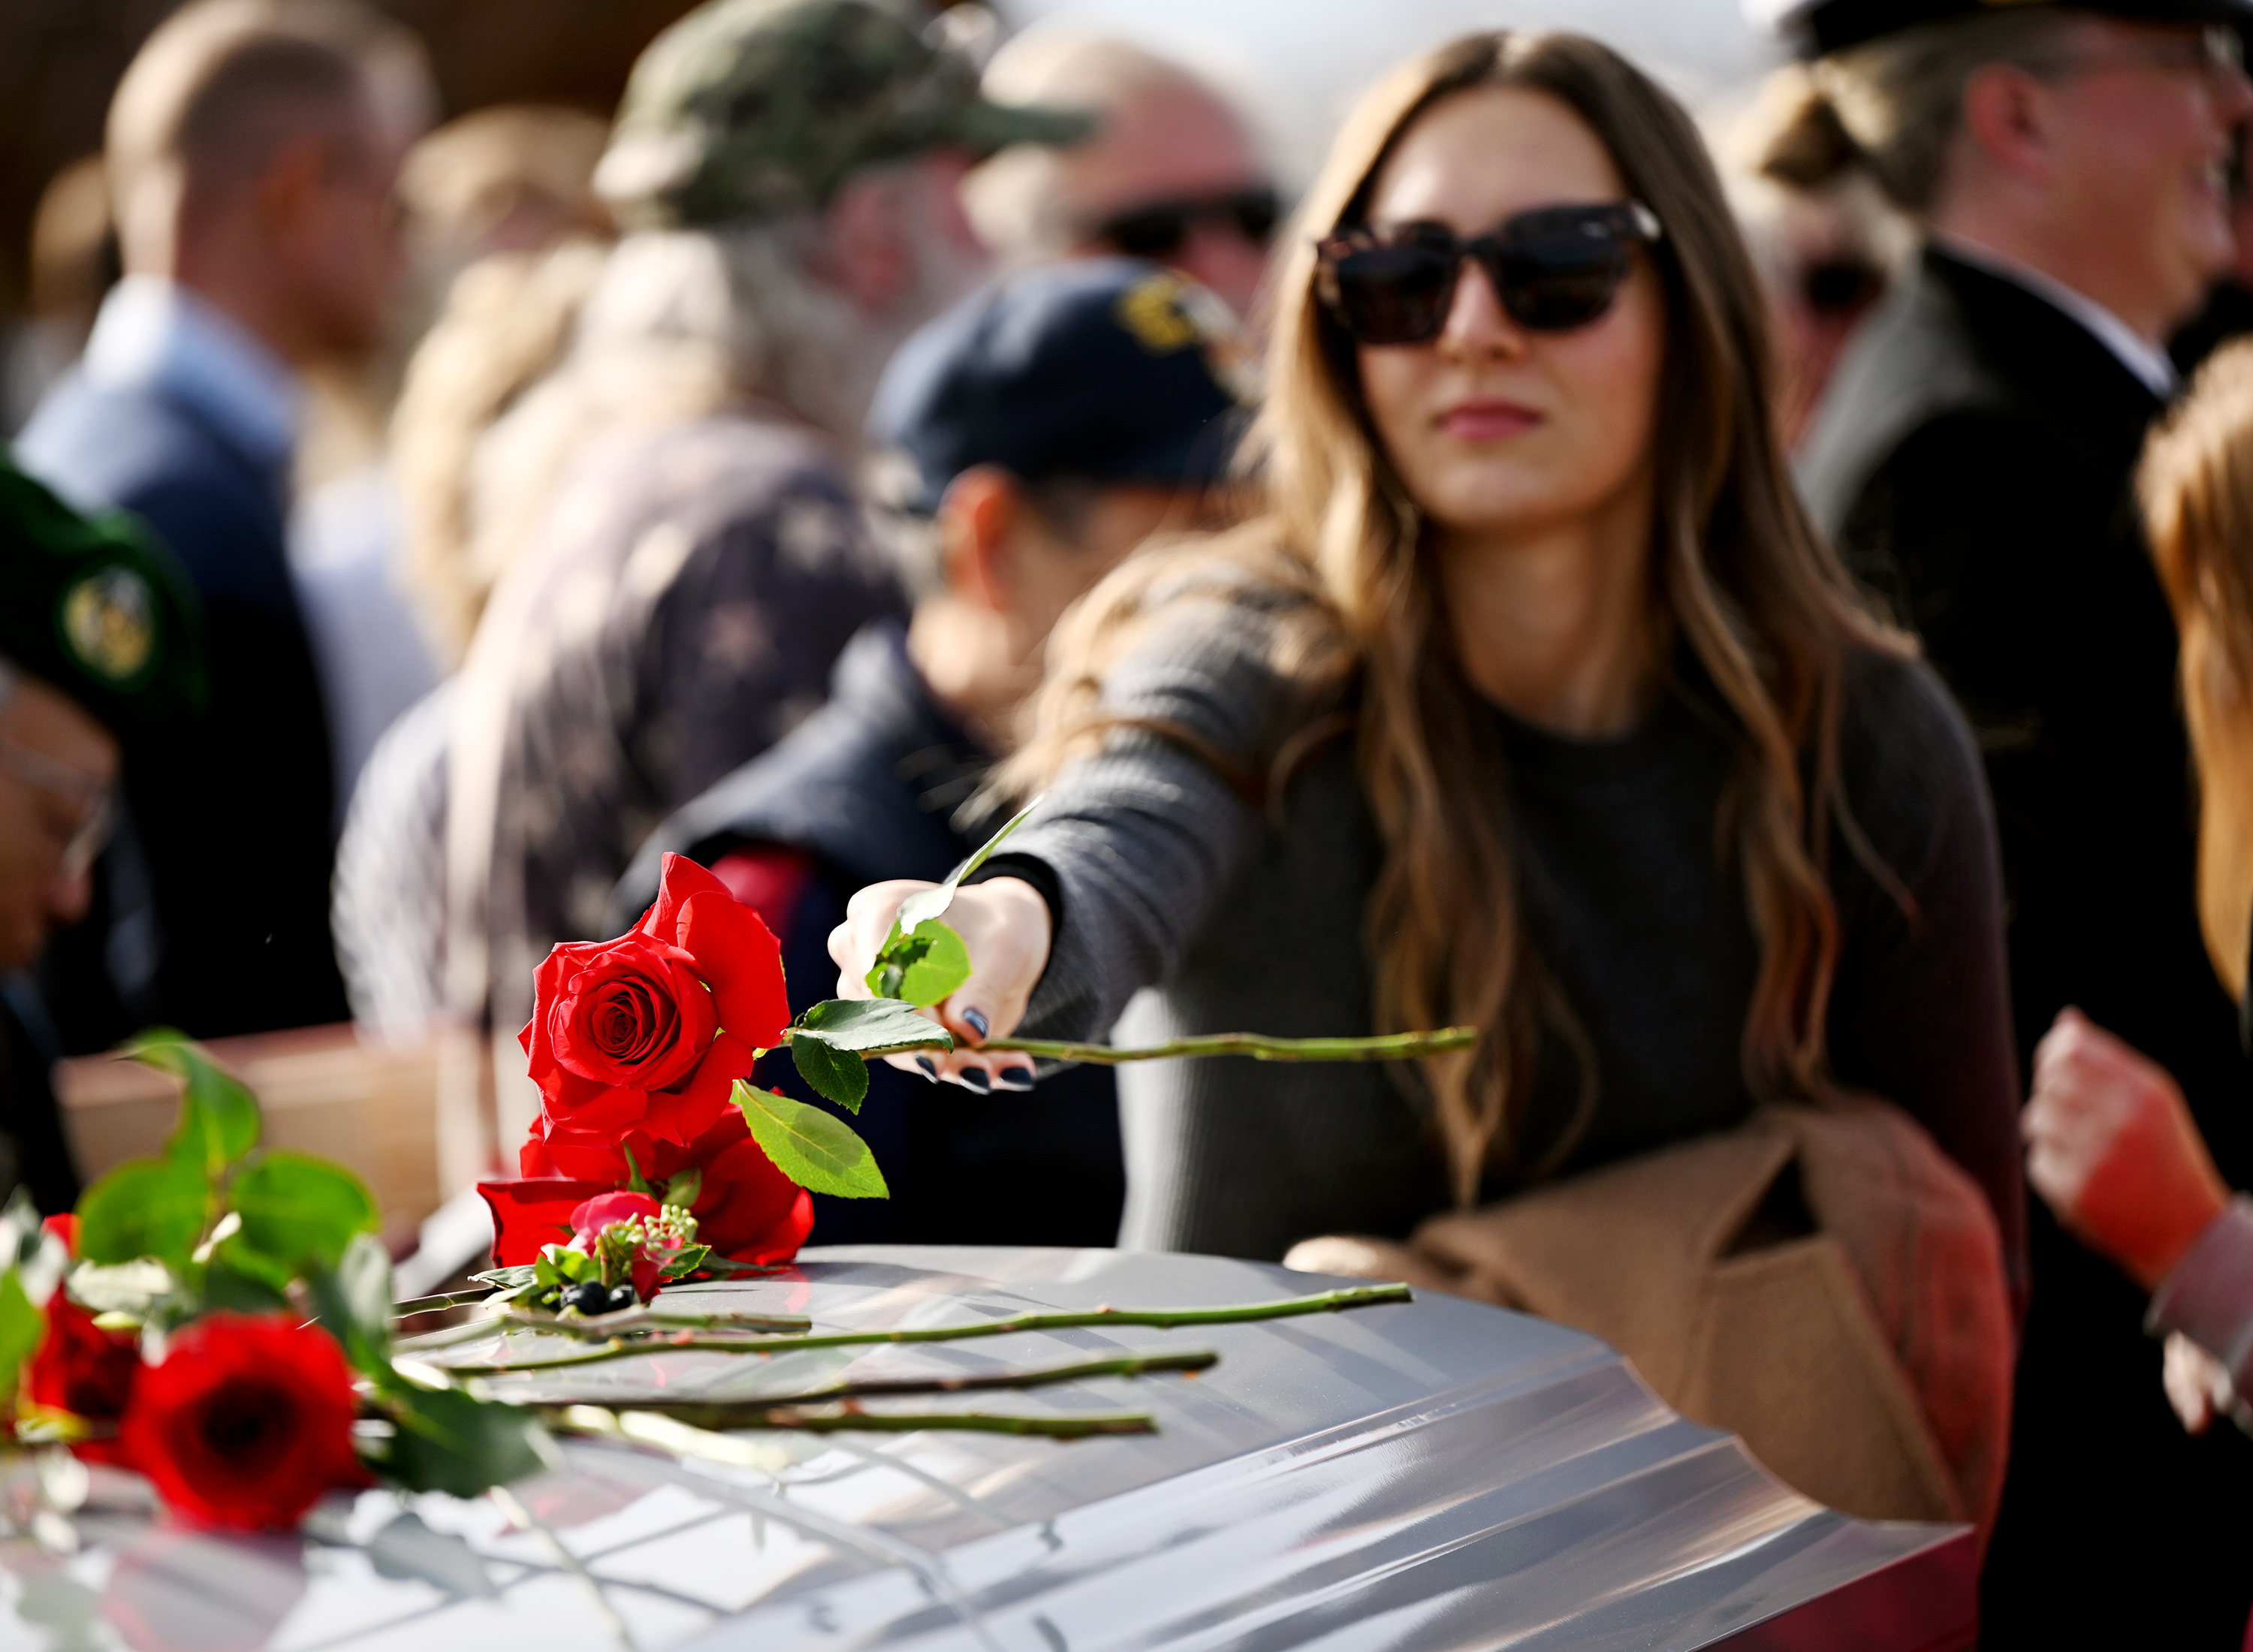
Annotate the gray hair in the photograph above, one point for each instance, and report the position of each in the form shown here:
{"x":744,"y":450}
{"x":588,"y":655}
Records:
{"x":699,"y":317}
{"x":1900,"y":98}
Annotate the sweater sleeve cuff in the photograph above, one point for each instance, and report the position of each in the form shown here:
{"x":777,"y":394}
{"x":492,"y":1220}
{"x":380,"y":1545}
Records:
{"x":2209,"y":1296}
{"x":1029,"y":868}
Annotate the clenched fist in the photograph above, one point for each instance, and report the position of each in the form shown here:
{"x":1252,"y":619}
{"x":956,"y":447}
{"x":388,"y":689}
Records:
{"x":2112,"y":1148}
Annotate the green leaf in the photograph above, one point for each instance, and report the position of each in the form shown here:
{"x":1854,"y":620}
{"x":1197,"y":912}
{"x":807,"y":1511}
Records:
{"x":934,"y":962}
{"x":21,"y":1325}
{"x":830,"y":1041}
{"x":871,"y":1026}
{"x":145,"y":1206}
{"x":559,"y":1264}
{"x":218,"y":1118}
{"x":904,"y":948}
{"x":839,"y":1074}
{"x":681,"y":1191}
{"x":634,"y":1179}
{"x":450,"y":1441}
{"x":352,"y":1301}
{"x":241,"y":1281}
{"x":686,"y":1262}
{"x":301,"y":1210}
{"x":815,"y":1149}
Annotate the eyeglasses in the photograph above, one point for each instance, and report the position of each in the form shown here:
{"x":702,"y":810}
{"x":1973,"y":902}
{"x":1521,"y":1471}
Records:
{"x":95,"y":801}
{"x":1553,"y":270}
{"x":1162,"y":229}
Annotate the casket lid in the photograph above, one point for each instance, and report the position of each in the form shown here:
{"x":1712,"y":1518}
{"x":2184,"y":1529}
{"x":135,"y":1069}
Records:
{"x":1437,"y":1474}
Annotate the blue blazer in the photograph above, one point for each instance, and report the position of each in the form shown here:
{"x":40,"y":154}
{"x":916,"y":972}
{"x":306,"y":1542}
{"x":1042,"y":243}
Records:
{"x":223,"y":928}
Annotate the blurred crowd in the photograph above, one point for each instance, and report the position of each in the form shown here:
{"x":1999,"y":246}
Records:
{"x":1755,"y":616}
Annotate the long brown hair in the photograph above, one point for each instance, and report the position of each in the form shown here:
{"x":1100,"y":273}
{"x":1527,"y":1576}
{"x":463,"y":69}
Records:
{"x":1737,"y":568}
{"x":2196,"y":486}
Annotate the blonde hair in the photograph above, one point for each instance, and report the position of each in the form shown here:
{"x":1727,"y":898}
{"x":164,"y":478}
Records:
{"x":1339,"y":563}
{"x":2195,"y":483}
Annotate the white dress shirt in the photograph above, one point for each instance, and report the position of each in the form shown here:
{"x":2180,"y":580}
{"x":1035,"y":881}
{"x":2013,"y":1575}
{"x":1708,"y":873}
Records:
{"x":2139,"y":355}
{"x":152,"y":332}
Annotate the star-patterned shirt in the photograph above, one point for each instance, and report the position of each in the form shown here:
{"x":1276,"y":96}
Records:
{"x":691,"y":591}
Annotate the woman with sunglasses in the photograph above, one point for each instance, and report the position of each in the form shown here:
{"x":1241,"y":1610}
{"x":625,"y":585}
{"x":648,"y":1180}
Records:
{"x":1532,"y":703}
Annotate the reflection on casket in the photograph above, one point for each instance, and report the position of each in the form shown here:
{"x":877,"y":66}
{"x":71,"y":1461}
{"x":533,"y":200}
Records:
{"x":1437,"y":1475}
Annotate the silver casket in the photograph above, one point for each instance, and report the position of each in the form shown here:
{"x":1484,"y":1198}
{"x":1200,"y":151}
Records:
{"x":1440,"y":1474}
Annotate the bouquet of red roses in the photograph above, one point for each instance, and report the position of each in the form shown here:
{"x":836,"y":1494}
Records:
{"x":643,"y":1048}
{"x":219,"y":1318}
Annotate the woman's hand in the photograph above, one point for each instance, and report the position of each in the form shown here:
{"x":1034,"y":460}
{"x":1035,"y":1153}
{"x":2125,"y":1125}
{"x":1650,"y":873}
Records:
{"x":2112,"y":1148}
{"x":1004,"y":923}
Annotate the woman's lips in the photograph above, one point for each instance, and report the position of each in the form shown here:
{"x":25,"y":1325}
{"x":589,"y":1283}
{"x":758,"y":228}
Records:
{"x":1487,"y":420}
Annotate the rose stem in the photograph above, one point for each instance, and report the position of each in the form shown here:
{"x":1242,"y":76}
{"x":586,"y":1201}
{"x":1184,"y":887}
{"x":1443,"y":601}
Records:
{"x":1162,"y":1319}
{"x":576,"y":1419}
{"x":707,"y":1414}
{"x":1389,"y":1047}
{"x":598,"y":1329}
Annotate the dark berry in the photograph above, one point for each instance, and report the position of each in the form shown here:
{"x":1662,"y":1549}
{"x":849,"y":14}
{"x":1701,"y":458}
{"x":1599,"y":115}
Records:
{"x":592,"y":1297}
{"x":622,"y":1296}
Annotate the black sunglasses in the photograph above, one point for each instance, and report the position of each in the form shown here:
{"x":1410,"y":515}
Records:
{"x":1553,"y":270}
{"x":1161,"y":229}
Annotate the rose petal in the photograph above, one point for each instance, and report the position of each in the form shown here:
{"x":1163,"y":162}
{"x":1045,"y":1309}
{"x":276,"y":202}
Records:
{"x":678,"y":877}
{"x":601,"y":1210}
{"x":535,"y":1212}
{"x":749,"y":1210}
{"x":741,"y":961}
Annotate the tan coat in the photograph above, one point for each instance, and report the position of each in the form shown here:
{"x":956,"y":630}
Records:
{"x":1823,"y":1282}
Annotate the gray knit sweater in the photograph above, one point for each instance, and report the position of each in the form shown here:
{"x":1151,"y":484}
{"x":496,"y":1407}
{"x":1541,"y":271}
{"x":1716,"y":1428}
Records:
{"x":1184,"y":908}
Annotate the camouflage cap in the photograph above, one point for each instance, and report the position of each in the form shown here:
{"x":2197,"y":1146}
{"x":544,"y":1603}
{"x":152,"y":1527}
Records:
{"x":746,"y":108}
{"x":95,"y":609}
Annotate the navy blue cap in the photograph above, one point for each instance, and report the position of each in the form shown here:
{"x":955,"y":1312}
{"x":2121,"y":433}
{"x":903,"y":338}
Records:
{"x":1818,"y":27}
{"x":1105,"y":370}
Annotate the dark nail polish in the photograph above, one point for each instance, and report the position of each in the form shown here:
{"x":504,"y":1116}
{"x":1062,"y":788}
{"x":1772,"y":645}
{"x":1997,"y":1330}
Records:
{"x":976,"y":1021}
{"x":1017,"y":1078}
{"x":976,"y":1078}
{"x":930,"y":1068}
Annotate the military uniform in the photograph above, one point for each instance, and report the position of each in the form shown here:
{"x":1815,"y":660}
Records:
{"x":97,"y":611}
{"x":1973,"y":460}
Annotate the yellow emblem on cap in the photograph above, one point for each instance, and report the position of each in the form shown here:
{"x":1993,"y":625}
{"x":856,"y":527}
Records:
{"x":110,"y":620}
{"x":1165,"y":313}
{"x":1151,"y":311}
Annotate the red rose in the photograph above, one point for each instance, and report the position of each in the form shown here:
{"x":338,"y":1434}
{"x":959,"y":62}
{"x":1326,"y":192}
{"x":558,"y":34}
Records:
{"x":84,"y":1370}
{"x":746,"y":1210}
{"x":648,"y":1032}
{"x":247,"y":1422}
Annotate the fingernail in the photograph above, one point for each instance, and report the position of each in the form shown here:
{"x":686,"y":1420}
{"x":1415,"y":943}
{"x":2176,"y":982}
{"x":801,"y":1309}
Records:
{"x":930,"y":1068}
{"x":976,"y":1021}
{"x":1016,"y":1077}
{"x":976,"y":1078}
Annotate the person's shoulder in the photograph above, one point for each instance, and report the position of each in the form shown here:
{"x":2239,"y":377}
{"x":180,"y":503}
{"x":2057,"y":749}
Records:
{"x":841,"y":786}
{"x":734,"y":490}
{"x":1906,"y":754}
{"x":122,"y":445}
{"x":1228,"y":636}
